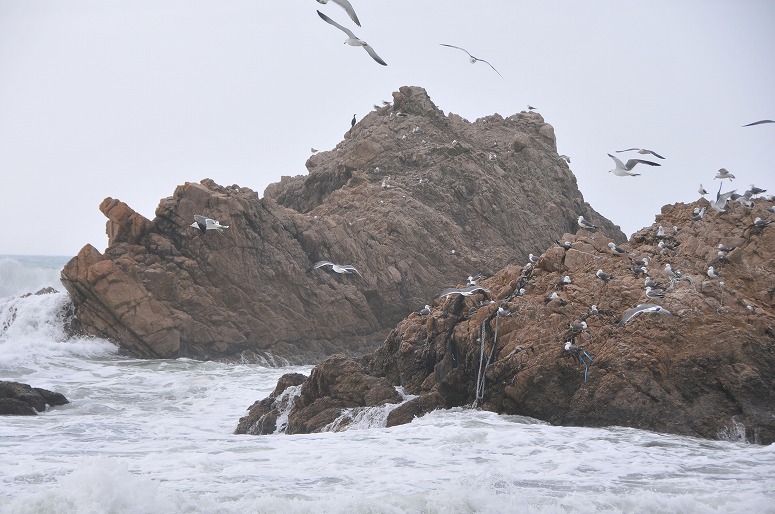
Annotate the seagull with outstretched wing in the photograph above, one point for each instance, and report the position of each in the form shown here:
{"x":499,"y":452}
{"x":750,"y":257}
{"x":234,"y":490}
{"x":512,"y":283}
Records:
{"x":353,"y":40}
{"x":473,"y":59}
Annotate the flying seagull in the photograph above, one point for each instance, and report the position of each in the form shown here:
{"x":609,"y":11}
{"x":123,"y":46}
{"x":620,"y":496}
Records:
{"x":643,"y":307}
{"x":583,"y":223}
{"x":723,"y":173}
{"x":344,"y":4}
{"x":760,"y":122}
{"x":466,"y":291}
{"x":472,"y":58}
{"x":642,"y":151}
{"x":346,"y":269}
{"x":204,"y":224}
{"x":623,"y":170}
{"x":353,"y":40}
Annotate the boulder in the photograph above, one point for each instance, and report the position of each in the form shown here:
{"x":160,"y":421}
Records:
{"x":704,"y":366}
{"x":24,"y":400}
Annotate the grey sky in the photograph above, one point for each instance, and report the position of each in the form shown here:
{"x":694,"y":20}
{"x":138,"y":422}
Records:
{"x":130,"y":99}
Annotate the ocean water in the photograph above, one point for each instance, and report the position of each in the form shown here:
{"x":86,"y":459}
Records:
{"x":155,"y":436}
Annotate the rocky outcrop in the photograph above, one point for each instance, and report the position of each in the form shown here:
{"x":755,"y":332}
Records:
{"x":23,"y":400}
{"x":705,"y":369}
{"x":416,"y":200}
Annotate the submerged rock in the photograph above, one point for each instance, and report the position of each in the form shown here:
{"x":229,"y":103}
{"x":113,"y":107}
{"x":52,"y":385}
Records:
{"x":24,"y":400}
{"x":415,"y":202}
{"x":704,"y":367}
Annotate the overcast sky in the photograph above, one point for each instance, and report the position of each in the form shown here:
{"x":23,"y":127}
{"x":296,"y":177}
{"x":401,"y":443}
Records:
{"x":129,"y":99}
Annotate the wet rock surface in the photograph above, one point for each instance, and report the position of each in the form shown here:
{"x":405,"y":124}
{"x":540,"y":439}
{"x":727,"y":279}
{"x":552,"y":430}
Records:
{"x":18,"y":399}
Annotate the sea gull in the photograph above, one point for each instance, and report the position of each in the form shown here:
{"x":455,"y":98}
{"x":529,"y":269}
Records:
{"x":712,"y":273}
{"x":341,"y":269}
{"x":623,"y":170}
{"x":579,"y":353}
{"x":473,"y":59}
{"x":699,"y":214}
{"x":593,"y":310}
{"x":344,"y":4}
{"x":564,"y":158}
{"x":353,"y":40}
{"x":204,"y":224}
{"x":566,"y":280}
{"x":661,"y":231}
{"x":583,"y":223}
{"x":720,"y":203}
{"x":502,"y":312}
{"x":642,"y":151}
{"x":616,"y":250}
{"x":654,"y":293}
{"x":756,"y":190}
{"x":425,"y":310}
{"x":466,"y":291}
{"x":639,"y":271}
{"x":532,"y":258}
{"x":724,"y":173}
{"x":473,"y":279}
{"x":578,"y":326}
{"x":725,"y":248}
{"x":758,"y":222}
{"x":649,"y":282}
{"x":640,"y":262}
{"x":565,"y":245}
{"x":771,"y":209}
{"x":760,"y":122}
{"x":530,"y":108}
{"x":602,"y":275}
{"x":644,"y":307}
{"x":663,"y":246}
{"x":313,"y":150}
{"x":702,"y":191}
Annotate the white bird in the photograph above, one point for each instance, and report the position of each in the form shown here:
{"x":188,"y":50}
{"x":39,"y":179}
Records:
{"x":644,"y":307}
{"x":699,"y":214}
{"x":602,"y":275}
{"x":473,"y":279}
{"x":353,"y":40}
{"x":649,"y":282}
{"x":593,"y":310}
{"x":616,"y":250}
{"x":725,"y":248}
{"x":565,"y":245}
{"x":577,"y":326}
{"x":702,"y":191}
{"x":473,"y":59}
{"x":712,"y":273}
{"x":344,"y":4}
{"x":640,"y":262}
{"x":756,"y":190}
{"x":341,"y":269}
{"x":623,"y":170}
{"x":532,"y":258}
{"x":204,"y":224}
{"x":661,"y":231}
{"x":564,"y":158}
{"x":583,"y":223}
{"x":723,"y":173}
{"x":425,"y":310}
{"x":758,"y":222}
{"x":654,"y":293}
{"x":760,"y":122}
{"x":502,"y":312}
{"x":313,"y":150}
{"x":466,"y":291}
{"x":642,"y":151}
{"x":566,"y":280}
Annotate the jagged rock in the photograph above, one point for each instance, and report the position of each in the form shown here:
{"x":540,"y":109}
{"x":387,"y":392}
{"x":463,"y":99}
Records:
{"x":450,"y":199}
{"x":706,"y":369}
{"x":23,"y":400}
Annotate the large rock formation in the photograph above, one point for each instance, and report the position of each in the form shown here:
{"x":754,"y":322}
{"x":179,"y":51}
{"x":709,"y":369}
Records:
{"x":415,"y":200}
{"x":23,"y":400}
{"x":706,"y":369}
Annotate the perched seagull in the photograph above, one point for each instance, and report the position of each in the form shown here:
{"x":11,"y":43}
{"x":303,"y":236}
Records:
{"x":649,"y":282}
{"x":566,"y":280}
{"x":353,"y":40}
{"x":565,"y":245}
{"x":616,"y":250}
{"x":313,"y":150}
{"x":502,"y":312}
{"x":644,"y":307}
{"x":564,"y":158}
{"x":702,"y":191}
{"x":204,"y":224}
{"x":602,"y":275}
{"x":473,"y":279}
{"x":473,"y":59}
{"x":654,"y":293}
{"x":771,"y":209}
{"x":758,"y":222}
{"x":642,"y":151}
{"x":578,"y":326}
{"x":639,"y":271}
{"x":712,"y":273}
{"x":466,"y":291}
{"x":760,"y":122}
{"x":623,"y":170}
{"x":699,"y":214}
{"x":532,"y":258}
{"x":344,"y":4}
{"x":725,"y":248}
{"x":346,"y":269}
{"x":593,"y":310}
{"x":723,"y":173}
{"x":640,"y":262}
{"x":425,"y":310}
{"x":583,"y":223}
{"x":756,"y":190}
{"x":661,"y":231}
{"x":530,"y":108}
{"x":663,"y":247}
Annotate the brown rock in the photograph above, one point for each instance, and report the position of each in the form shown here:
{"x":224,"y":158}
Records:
{"x":24,"y":400}
{"x":705,"y":369}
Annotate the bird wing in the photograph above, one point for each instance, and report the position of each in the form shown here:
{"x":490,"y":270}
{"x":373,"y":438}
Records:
{"x":450,"y":290}
{"x":344,"y":4}
{"x":632,"y":162}
{"x":655,"y":154}
{"x":491,"y":66}
{"x":759,"y":123}
{"x":627,"y":150}
{"x":322,"y":263}
{"x":374,"y":55}
{"x":619,"y":164}
{"x":351,"y":269}
{"x":335,"y":24}
{"x":200,"y":220}
{"x":631,"y":313}
{"x":463,"y":49}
